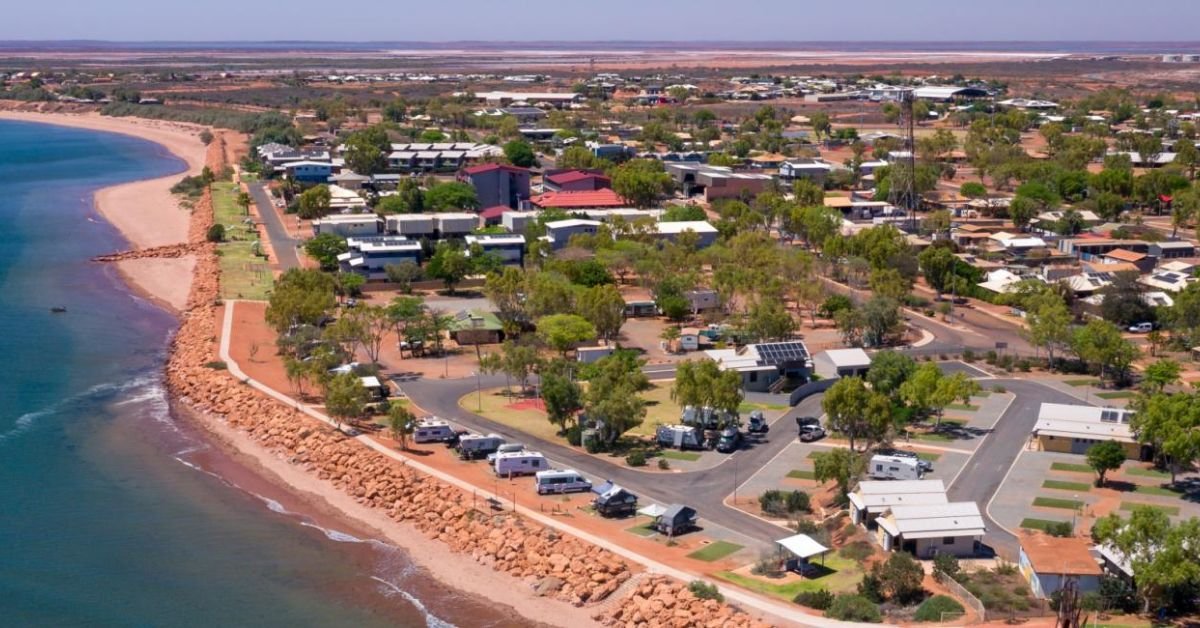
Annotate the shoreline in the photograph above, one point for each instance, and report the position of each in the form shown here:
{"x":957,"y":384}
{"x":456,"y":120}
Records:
{"x":143,"y":212}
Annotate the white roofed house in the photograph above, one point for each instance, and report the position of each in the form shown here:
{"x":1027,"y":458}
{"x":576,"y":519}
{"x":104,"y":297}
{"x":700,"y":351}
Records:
{"x":927,"y":530}
{"x":370,"y":256}
{"x":508,"y":247}
{"x":812,"y":170}
{"x":1074,"y":429}
{"x":705,"y":233}
{"x":348,"y":225}
{"x":764,"y":366}
{"x":841,"y":363}
{"x":873,"y":497}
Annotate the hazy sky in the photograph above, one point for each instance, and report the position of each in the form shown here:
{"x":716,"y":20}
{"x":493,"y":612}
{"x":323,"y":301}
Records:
{"x":566,"y":20}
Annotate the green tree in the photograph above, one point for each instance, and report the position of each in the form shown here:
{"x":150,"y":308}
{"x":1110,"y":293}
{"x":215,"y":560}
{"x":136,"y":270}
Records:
{"x":1160,"y":374}
{"x":701,"y":383}
{"x":365,"y":153}
{"x":856,"y":412}
{"x":215,"y":233}
{"x":1163,"y":557}
{"x":345,"y":397}
{"x":401,"y":423}
{"x":300,"y":297}
{"x":768,"y":319}
{"x":403,"y":275}
{"x":244,"y":201}
{"x":900,"y":579}
{"x":612,"y":401}
{"x":1049,"y":323}
{"x":580,"y":158}
{"x":839,"y":465}
{"x":408,"y":199}
{"x":450,"y":264}
{"x":562,"y":332}
{"x":603,"y":307}
{"x":325,"y":249}
{"x":451,"y":196}
{"x":973,"y":190}
{"x":1100,"y":343}
{"x":889,"y":370}
{"x":821,"y":124}
{"x":314,"y":202}
{"x":808,"y":194}
{"x":1104,"y":457}
{"x":881,"y":319}
{"x":641,"y":181}
{"x":938,"y":264}
{"x":520,"y":154}
{"x":563,"y":397}
{"x":1168,"y":422}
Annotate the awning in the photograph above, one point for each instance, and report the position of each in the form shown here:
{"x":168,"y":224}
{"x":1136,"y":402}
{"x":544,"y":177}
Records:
{"x":652,"y":511}
{"x":802,"y":546}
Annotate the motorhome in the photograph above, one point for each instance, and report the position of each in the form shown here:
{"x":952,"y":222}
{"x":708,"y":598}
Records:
{"x":679,"y":437}
{"x":561,"y":481}
{"x":894,"y":468}
{"x":474,"y":446}
{"x":520,"y":463}
{"x":432,"y":431}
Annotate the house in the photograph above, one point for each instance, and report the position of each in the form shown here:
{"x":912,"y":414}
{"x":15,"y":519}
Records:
{"x":1086,"y":248}
{"x":1172,"y":250}
{"x":559,"y":232}
{"x":716,"y":182}
{"x":836,"y":363}
{"x":689,"y":340}
{"x":476,"y":327}
{"x":443,"y":157}
{"x":349,"y":180}
{"x":670,"y":231}
{"x":573,"y":201}
{"x":523,"y":115}
{"x":1143,"y":261}
{"x":1001,"y":281}
{"x":497,"y":184}
{"x":703,"y":300}
{"x":347,"y":225}
{"x":454,"y":224}
{"x":494,"y":215}
{"x":927,"y":530}
{"x":502,"y":98}
{"x":509,"y":247}
{"x":1167,"y":280}
{"x":517,"y":221}
{"x":873,"y":497}
{"x":589,"y":355}
{"x":370,"y":256}
{"x":764,"y":366}
{"x":1049,"y":562}
{"x":345,"y":200}
{"x":575,"y":181}
{"x":308,"y":171}
{"x":1073,"y":429}
{"x":812,"y":170}
{"x":411,"y":225}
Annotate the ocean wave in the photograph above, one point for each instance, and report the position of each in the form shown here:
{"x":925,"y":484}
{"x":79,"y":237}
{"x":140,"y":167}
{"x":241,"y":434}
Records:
{"x":98,"y":393}
{"x":431,"y":620}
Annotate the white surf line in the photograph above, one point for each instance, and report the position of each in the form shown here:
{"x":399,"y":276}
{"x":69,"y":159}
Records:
{"x":736,"y":595}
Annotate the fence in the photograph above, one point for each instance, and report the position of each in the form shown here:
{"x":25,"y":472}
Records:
{"x":963,"y":594}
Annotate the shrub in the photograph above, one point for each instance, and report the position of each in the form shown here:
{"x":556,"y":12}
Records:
{"x":849,"y":607}
{"x":767,"y":565}
{"x":1025,"y":365}
{"x":945,"y":566}
{"x":857,"y":551}
{"x":575,"y":435}
{"x":206,"y":137}
{"x":664,"y":464}
{"x":807,"y":526}
{"x":834,"y":304}
{"x":938,"y":608}
{"x":797,"y":501}
{"x":215,"y":365}
{"x":1118,"y":594}
{"x":771,"y":501}
{"x":999,"y":389}
{"x":636,"y":459}
{"x":1060,"y":528}
{"x":1005,"y":568}
{"x":216,"y":233}
{"x":705,"y":591}
{"x":990,"y":357}
{"x":821,"y":599}
{"x":968,"y":355}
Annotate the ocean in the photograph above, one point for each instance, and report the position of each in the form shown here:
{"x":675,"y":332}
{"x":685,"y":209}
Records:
{"x":112,"y":512}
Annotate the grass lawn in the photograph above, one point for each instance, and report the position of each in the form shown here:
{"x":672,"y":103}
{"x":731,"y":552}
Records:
{"x":715,"y":551}
{"x":671,"y":454}
{"x":1148,"y":473}
{"x":845,"y":576}
{"x":966,"y":407}
{"x":1055,"y":502}
{"x":935,"y":437}
{"x":1161,"y":491}
{"x":1170,"y":510}
{"x":496,"y":407}
{"x":642,"y":530}
{"x":928,"y":456}
{"x":244,"y":274}
{"x":1066,"y":486}
{"x":1073,"y":468}
{"x":1038,"y":524}
{"x":1117,"y":394}
{"x":1081,"y":382}
{"x":798,"y":474}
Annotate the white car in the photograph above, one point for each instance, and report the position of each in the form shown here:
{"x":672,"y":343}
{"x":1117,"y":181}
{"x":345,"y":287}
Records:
{"x":1142,"y":328}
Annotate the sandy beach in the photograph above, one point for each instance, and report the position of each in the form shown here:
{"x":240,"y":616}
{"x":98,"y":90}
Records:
{"x":145,"y":212}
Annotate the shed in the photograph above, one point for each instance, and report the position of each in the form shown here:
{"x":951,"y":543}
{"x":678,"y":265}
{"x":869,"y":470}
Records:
{"x":841,"y":363}
{"x":1048,"y":562}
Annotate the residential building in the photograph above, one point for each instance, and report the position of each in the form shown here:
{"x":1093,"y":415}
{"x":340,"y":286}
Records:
{"x":348,"y":225}
{"x":928,"y":530}
{"x":949,"y":93}
{"x":308,"y":171}
{"x":369,"y":256}
{"x":555,"y":99}
{"x":559,"y":232}
{"x":813,"y":170}
{"x":706,"y":234}
{"x":516,"y":221}
{"x":1073,"y":429}
{"x":1167,"y":280}
{"x":523,"y":115}
{"x":509,"y":247}
{"x":1173,"y":249}
{"x":1086,"y":248}
{"x":716,"y":182}
{"x":1049,"y":562}
{"x":497,"y":184}
{"x":835,"y":363}
{"x":873,"y":497}
{"x":702,"y":300}
{"x":764,"y":366}
{"x":576,"y":181}
{"x":411,"y":225}
{"x":454,"y":224}
{"x":440,"y":157}
{"x":476,"y":327}
{"x":574,"y":201}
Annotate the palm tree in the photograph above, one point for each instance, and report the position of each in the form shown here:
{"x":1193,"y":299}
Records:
{"x":244,"y":201}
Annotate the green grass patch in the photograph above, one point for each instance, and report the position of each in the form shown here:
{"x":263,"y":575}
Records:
{"x":1170,"y":510}
{"x":748,"y":406}
{"x":966,"y":407}
{"x":798,"y":474}
{"x":671,"y":454}
{"x":936,"y":437}
{"x":1148,"y":473}
{"x":715,"y":551}
{"x":1073,"y":468}
{"x":813,"y":454}
{"x":1066,"y":486}
{"x":843,"y":577}
{"x":245,"y":274}
{"x":642,"y":530}
{"x":1081,"y":382}
{"x":1117,"y":394}
{"x":1055,"y":502}
{"x":929,"y":457}
{"x":1161,"y":491}
{"x":1038,"y":524}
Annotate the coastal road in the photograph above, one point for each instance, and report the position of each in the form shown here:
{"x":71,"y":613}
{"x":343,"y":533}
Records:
{"x":282,"y":242}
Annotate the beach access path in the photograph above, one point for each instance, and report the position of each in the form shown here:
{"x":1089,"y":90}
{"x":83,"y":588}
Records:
{"x":742,"y":598}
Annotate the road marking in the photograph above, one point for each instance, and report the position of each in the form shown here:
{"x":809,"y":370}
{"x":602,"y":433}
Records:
{"x":988,"y":508}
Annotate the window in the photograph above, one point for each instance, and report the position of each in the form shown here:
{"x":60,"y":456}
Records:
{"x":949,"y":540}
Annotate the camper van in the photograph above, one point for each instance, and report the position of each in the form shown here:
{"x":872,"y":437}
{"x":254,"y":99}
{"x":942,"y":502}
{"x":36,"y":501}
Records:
{"x":894,"y":468}
{"x":679,"y":437}
{"x":520,"y":463}
{"x":614,"y":501}
{"x":474,"y":446}
{"x":561,"y":481}
{"x":506,"y":448}
{"x":432,"y":431}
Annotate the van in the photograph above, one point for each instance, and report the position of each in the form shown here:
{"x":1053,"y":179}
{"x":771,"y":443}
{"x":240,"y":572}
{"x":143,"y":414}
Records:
{"x":561,"y":481}
{"x":1142,"y":328}
{"x":432,"y":431}
{"x":506,"y":448}
{"x":474,"y":446}
{"x":894,"y":468}
{"x":520,"y":463}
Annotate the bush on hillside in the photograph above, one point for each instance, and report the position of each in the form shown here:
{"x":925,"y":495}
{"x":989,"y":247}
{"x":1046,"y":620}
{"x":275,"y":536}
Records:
{"x":705,"y":590}
{"x":850,"y":607}
{"x":939,"y":608}
{"x":821,"y":599}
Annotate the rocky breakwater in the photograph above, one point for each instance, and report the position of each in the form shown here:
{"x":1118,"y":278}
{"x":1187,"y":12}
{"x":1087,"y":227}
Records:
{"x":661,"y":601}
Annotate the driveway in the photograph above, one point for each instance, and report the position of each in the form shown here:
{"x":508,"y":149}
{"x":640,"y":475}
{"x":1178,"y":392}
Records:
{"x":282,"y":242}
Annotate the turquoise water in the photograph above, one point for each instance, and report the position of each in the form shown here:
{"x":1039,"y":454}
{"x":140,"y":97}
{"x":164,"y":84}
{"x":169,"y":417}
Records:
{"x":111,"y":513}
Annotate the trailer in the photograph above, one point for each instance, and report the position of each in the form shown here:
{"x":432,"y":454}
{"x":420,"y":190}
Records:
{"x":432,"y":431}
{"x":614,"y":501}
{"x":894,"y":468}
{"x":474,"y":446}
{"x":679,"y":437}
{"x":520,"y":463}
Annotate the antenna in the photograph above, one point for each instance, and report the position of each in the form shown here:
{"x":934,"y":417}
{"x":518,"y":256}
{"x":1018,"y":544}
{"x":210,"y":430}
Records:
{"x":905,"y":194}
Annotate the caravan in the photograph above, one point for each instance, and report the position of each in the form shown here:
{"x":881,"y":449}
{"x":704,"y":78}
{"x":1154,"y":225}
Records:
{"x":474,"y":446}
{"x":432,"y":430}
{"x":561,"y":481}
{"x":679,"y":437}
{"x":894,"y":468}
{"x":520,"y":463}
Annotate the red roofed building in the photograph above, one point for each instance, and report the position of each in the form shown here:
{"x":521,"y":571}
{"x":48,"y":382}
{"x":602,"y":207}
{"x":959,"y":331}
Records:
{"x":493,"y":215}
{"x":576,"y":181}
{"x":497,"y":184}
{"x":596,"y":199}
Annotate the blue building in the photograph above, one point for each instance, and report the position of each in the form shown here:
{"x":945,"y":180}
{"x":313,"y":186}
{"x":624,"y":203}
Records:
{"x":308,"y":171}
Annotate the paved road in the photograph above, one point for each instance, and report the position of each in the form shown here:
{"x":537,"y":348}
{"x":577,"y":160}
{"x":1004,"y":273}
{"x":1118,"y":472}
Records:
{"x":703,"y":490}
{"x":282,"y":243}
{"x":984,"y":472}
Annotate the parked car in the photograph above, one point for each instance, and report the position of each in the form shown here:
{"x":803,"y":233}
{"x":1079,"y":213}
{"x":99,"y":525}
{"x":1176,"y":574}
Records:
{"x":801,"y":421}
{"x":561,"y":481}
{"x":729,"y":441}
{"x":1142,"y":328}
{"x":810,"y":433}
{"x":758,"y":423}
{"x":925,"y":465}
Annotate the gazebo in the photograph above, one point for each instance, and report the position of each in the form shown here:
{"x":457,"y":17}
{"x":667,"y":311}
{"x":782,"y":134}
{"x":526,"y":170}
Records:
{"x":802,"y":547}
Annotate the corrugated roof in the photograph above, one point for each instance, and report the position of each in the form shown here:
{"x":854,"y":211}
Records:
{"x":579,"y":200}
{"x":1070,"y":556}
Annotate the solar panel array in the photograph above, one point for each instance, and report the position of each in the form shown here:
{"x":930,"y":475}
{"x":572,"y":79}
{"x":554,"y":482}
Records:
{"x":774,"y":353}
